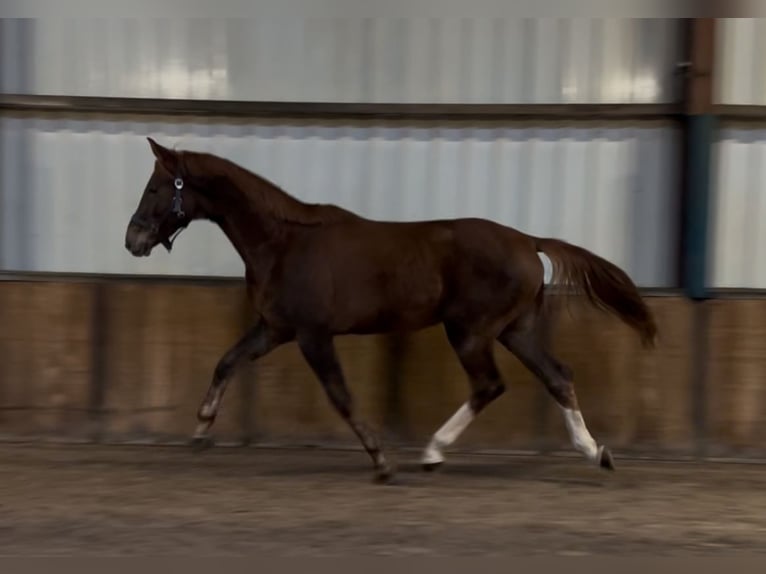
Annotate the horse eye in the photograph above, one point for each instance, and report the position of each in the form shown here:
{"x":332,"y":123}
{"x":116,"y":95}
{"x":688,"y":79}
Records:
{"x":151,"y":190}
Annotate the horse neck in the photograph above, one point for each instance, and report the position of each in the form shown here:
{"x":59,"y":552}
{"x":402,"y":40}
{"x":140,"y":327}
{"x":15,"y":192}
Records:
{"x":254,"y":214}
{"x":247,"y":235}
{"x":249,"y":226}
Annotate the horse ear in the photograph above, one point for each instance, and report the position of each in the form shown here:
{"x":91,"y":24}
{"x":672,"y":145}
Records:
{"x":167,"y":157}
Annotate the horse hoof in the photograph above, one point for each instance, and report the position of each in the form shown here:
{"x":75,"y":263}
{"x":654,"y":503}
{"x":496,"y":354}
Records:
{"x":432,"y":466}
{"x":606,"y":461}
{"x":200,"y":443}
{"x":383,"y":476}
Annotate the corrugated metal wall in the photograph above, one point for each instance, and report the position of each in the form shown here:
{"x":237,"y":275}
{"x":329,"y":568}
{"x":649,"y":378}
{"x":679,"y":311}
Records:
{"x":607,"y":187}
{"x":340,"y":58}
{"x":69,"y":185}
{"x":739,"y":208}
{"x":741,"y":68}
{"x":739,"y":194}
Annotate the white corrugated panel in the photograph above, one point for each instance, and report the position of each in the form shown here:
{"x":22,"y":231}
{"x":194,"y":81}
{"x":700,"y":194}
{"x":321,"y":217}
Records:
{"x":738,"y":209}
{"x":740,"y":67}
{"x":340,"y":58}
{"x":70,"y":186}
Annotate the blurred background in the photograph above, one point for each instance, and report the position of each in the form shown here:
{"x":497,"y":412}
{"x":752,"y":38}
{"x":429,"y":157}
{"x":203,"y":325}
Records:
{"x":642,"y":140}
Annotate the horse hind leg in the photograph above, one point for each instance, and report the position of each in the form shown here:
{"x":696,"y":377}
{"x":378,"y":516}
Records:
{"x":527,"y":345}
{"x":475,"y":354}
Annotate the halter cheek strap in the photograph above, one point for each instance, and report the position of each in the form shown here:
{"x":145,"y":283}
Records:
{"x":176,"y":207}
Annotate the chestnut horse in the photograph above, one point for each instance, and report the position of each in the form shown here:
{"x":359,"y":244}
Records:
{"x":315,"y":271}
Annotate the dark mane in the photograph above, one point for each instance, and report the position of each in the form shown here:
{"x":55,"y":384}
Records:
{"x":265,"y":196}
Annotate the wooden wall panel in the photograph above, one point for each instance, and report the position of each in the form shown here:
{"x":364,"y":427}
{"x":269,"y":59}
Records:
{"x":160,"y":342}
{"x":164,"y":342}
{"x":736,"y":399}
{"x":45,"y":358}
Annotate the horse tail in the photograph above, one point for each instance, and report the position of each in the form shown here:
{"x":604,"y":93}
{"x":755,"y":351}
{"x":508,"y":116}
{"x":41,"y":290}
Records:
{"x":606,"y":286}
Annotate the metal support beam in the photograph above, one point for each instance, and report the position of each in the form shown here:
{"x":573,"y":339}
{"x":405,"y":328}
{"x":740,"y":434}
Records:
{"x":25,"y":103}
{"x":740,"y":112}
{"x":699,"y":133}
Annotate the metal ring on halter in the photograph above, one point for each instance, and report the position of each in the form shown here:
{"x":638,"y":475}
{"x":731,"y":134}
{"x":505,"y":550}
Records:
{"x":178,"y":183}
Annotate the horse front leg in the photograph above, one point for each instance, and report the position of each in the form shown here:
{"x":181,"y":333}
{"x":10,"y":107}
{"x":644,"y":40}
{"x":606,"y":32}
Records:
{"x":319,"y":351}
{"x":257,"y":342}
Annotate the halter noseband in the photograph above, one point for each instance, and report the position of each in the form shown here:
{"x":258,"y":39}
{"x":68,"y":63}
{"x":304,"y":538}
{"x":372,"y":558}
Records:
{"x":176,"y":207}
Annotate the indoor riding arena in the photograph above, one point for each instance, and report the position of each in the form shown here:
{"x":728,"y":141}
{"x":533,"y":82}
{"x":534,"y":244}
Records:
{"x":641,"y":141}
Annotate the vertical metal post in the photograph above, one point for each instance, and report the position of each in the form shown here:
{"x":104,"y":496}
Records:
{"x":2,"y":190}
{"x":698,"y":142}
{"x":699,"y":133}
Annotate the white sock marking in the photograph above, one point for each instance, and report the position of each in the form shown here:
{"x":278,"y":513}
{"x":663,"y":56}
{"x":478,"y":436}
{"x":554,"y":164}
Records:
{"x":201,"y":430}
{"x":578,"y":432}
{"x":447,"y":434}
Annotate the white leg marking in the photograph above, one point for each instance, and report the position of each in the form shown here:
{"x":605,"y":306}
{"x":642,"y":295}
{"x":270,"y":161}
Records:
{"x":210,"y":409}
{"x":581,"y":438}
{"x":447,"y":434}
{"x":201,"y":430}
{"x":207,"y":410}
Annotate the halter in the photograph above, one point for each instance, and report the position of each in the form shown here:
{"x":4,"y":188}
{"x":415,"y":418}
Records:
{"x":175,"y":208}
